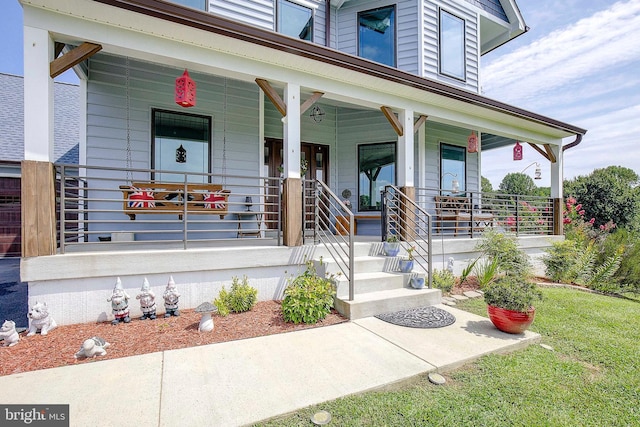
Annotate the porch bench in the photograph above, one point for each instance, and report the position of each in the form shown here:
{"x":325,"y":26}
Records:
{"x":342,"y":222}
{"x":457,"y":209}
{"x":165,"y":198}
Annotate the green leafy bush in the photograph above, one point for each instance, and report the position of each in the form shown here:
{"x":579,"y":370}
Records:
{"x":443,"y":280}
{"x":308,"y":298}
{"x":627,"y":276}
{"x":559,"y":260}
{"x":512,"y":294}
{"x":242,"y":297}
{"x":511,"y":260}
{"x":486,"y":271}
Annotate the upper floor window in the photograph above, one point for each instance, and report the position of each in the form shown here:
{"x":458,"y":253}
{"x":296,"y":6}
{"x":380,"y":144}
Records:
{"x":452,"y":45}
{"x":196,"y":4}
{"x":377,"y":35}
{"x":181,"y":142}
{"x":295,"y":20}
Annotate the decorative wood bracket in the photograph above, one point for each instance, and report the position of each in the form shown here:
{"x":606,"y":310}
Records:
{"x":547,"y":153}
{"x":72,"y":58}
{"x":395,"y":123}
{"x":419,"y":122}
{"x":309,"y":102}
{"x":273,"y":96}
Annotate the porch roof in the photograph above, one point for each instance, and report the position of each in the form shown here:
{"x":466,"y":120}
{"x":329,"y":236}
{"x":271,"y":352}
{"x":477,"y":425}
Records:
{"x":297,"y":54}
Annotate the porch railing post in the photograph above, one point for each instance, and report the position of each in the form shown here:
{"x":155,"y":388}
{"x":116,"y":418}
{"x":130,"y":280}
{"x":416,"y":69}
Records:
{"x":558,"y":226}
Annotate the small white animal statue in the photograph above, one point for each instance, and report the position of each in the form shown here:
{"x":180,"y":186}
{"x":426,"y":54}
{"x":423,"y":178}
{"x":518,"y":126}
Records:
{"x":94,"y":346}
{"x":171,"y":297}
{"x":8,"y":333}
{"x":40,"y":320}
{"x":147,"y":301}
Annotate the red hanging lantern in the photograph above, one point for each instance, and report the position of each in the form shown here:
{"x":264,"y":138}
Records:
{"x":185,"y":90}
{"x":472,"y":143}
{"x":517,"y":151}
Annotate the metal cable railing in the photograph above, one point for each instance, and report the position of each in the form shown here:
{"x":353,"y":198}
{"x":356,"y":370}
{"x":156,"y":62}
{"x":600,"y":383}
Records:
{"x":412,"y":224}
{"x":97,"y":208}
{"x":334,"y":225}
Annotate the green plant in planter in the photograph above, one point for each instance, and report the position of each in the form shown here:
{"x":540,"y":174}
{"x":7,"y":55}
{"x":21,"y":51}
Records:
{"x":410,"y":251}
{"x":242,"y":297}
{"x":513,"y":294}
{"x":308,"y":298}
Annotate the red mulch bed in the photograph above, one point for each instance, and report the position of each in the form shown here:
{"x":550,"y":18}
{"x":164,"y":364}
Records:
{"x":146,"y":336}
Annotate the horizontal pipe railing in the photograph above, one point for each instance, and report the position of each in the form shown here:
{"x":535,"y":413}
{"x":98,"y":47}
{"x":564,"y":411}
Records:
{"x":91,"y":209}
{"x":469,"y":213}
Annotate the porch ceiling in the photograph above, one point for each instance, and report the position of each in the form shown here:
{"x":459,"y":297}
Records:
{"x":178,"y":36}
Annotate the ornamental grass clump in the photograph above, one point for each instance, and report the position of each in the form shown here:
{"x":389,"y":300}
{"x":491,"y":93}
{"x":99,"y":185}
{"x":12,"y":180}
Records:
{"x":242,"y":297}
{"x":308,"y":298}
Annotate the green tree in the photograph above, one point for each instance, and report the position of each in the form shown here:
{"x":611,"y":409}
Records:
{"x":608,"y":194}
{"x":485,"y":185}
{"x":518,"y":183}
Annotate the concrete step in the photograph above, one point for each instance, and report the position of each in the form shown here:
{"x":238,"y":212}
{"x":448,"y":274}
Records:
{"x":372,"y":282}
{"x":361,"y":264}
{"x":388,"y":301}
{"x":359,"y":249}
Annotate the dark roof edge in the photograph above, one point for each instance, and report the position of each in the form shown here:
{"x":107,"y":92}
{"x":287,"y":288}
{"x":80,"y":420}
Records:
{"x":219,"y":25}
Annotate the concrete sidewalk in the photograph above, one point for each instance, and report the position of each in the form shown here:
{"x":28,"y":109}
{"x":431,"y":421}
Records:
{"x":243,"y":382}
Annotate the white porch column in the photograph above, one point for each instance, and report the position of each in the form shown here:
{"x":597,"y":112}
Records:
{"x":557,"y":173}
{"x":405,"y":160}
{"x":291,"y":132}
{"x":38,"y":95}
{"x":292,"y":191}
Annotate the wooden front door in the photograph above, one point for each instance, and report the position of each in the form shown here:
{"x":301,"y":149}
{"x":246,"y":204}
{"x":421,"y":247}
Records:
{"x":314,"y":161}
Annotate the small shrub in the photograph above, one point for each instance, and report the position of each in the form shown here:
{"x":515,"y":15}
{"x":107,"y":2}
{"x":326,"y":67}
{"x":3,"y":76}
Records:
{"x":511,"y":260}
{"x":486,"y":271}
{"x":242,"y":297}
{"x":308,"y":298}
{"x":512,"y":294}
{"x":559,"y":260}
{"x":443,"y":280}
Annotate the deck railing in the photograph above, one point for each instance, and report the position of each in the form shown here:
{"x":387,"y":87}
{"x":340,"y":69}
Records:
{"x":469,"y":213}
{"x":92,"y":205}
{"x":411,"y":224}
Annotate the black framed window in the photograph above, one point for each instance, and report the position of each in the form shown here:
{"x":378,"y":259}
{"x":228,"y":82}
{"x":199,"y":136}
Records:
{"x":180,"y":142}
{"x":452,"y":46}
{"x":377,"y":168}
{"x":295,"y":20}
{"x":453,"y":166}
{"x":377,"y":35}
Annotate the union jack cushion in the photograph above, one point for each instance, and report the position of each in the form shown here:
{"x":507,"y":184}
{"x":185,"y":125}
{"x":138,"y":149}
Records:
{"x":141,"y":198}
{"x":215,"y":200}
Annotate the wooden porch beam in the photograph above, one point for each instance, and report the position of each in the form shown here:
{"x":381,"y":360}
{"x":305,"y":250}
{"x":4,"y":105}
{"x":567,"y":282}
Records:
{"x":73,"y":58}
{"x":550,"y":154}
{"x":393,"y":119}
{"x":539,"y":150}
{"x":273,"y":96}
{"x":419,"y":122}
{"x":309,"y":102}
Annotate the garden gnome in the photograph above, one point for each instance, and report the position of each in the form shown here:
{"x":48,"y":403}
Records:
{"x":171,"y":297}
{"x":147,"y":301}
{"x":119,"y":304}
{"x":450,"y":265}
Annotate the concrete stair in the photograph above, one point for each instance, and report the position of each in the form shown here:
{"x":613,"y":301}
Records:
{"x":379,"y":286}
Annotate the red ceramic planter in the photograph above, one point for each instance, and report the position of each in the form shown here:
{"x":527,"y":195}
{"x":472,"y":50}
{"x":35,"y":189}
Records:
{"x":513,"y":322}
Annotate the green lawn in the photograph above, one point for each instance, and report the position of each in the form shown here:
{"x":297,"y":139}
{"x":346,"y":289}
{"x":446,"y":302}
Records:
{"x":592,"y":378}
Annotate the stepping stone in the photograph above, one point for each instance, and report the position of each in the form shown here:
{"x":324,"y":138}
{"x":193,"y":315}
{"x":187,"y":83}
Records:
{"x":448,"y":299}
{"x":546,"y":347}
{"x":472,"y":294}
{"x":460,"y":297}
{"x":436,"y":378}
{"x":449,"y":303}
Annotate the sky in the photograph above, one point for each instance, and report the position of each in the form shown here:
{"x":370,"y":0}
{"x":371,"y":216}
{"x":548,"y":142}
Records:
{"x":578,"y":63}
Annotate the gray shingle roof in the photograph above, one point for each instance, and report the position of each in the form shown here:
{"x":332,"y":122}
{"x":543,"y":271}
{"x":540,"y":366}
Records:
{"x":66,"y":112}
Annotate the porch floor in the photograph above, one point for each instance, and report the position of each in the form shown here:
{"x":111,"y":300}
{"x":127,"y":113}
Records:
{"x":225,"y":383}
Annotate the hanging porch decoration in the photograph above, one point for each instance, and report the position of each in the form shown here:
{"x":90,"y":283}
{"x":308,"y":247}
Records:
{"x":185,"y":90}
{"x":472,"y":143}
{"x":517,"y":151}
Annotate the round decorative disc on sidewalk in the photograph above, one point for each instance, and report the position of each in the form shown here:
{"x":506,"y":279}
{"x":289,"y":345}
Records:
{"x":422,"y":317}
{"x":321,"y":418}
{"x":436,"y":378}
